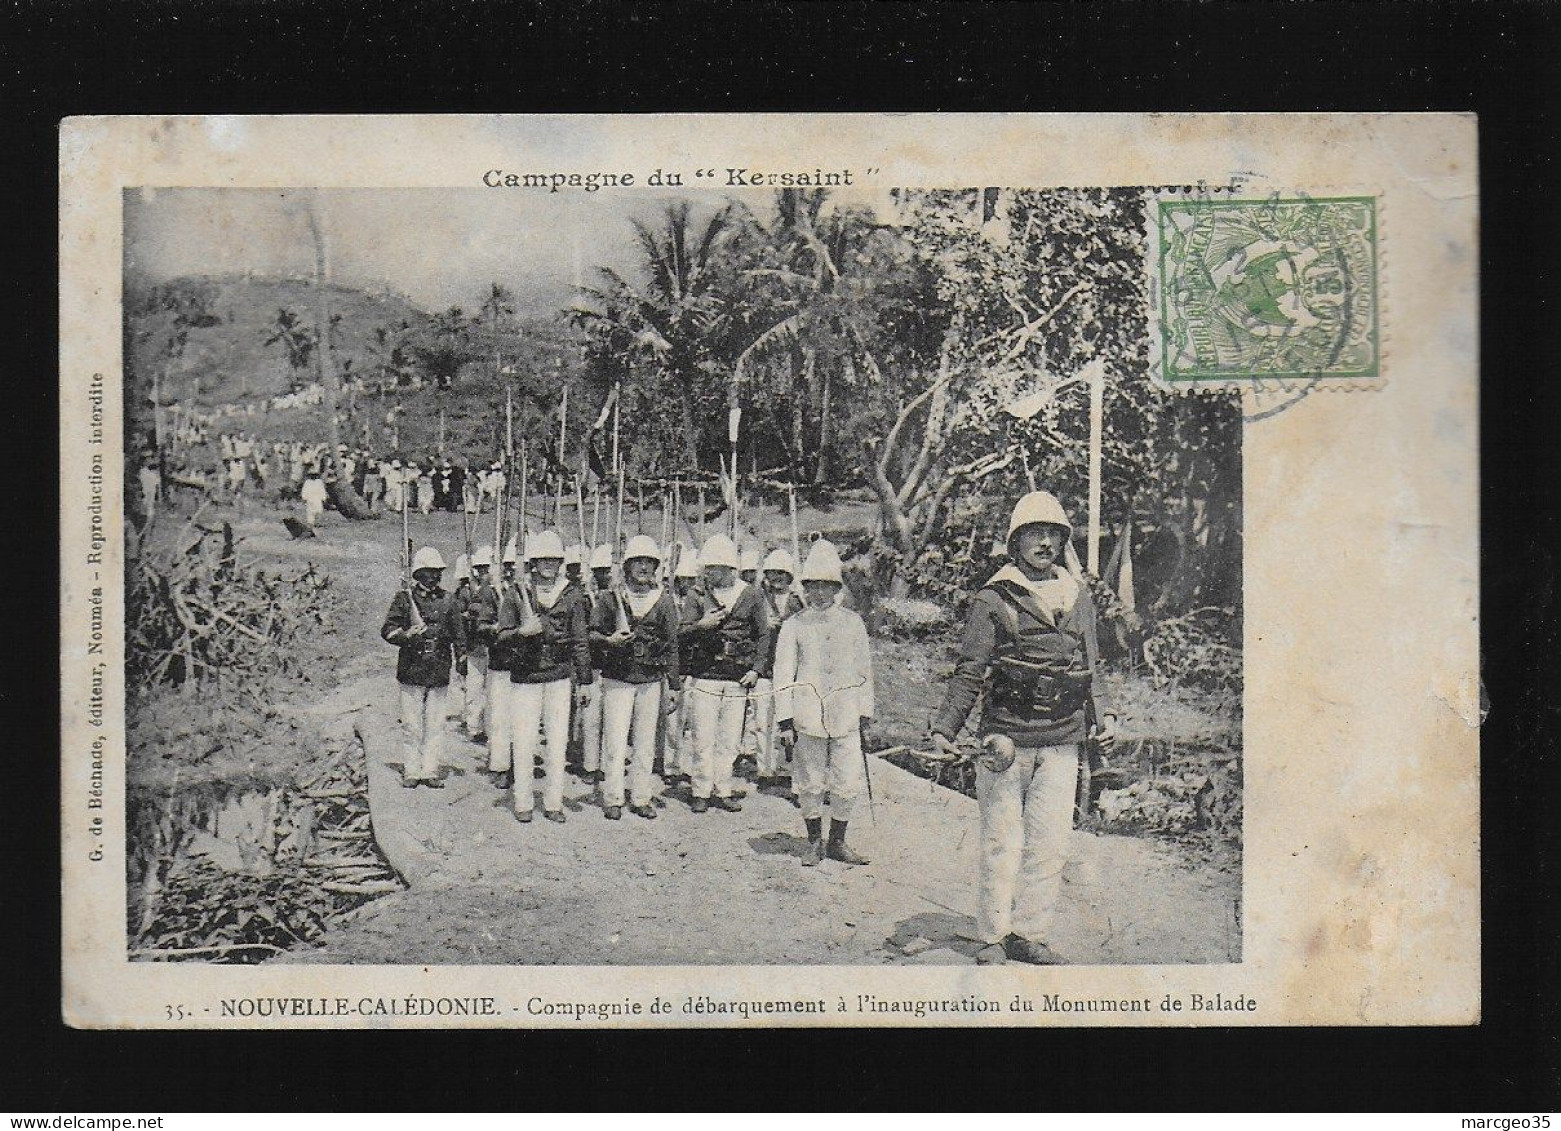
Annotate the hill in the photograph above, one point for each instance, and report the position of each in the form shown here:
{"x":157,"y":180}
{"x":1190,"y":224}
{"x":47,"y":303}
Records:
{"x":213,"y":341}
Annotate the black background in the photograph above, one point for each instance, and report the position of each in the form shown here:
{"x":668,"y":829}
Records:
{"x":1497,"y":59}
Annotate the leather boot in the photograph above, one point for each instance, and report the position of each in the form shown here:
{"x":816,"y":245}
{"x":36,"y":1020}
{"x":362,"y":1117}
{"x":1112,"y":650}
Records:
{"x":813,"y":854}
{"x":1032,"y":952}
{"x":837,"y":845}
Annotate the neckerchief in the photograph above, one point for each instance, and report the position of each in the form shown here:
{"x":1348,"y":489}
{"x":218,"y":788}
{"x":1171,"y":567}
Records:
{"x":1055,"y":596}
{"x":547,"y":598}
{"x":727,"y":598}
{"x":641,"y":604}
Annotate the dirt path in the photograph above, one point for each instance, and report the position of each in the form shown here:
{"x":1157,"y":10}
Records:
{"x":689,"y":889}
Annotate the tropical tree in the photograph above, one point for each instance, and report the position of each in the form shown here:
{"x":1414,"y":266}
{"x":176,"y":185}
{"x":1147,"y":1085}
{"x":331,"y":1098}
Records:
{"x":822,"y":275}
{"x":497,"y":309}
{"x":297,"y":339}
{"x":662,"y":332}
{"x":388,"y":347}
{"x":348,"y":501}
{"x":446,"y":346}
{"x":1042,"y":285}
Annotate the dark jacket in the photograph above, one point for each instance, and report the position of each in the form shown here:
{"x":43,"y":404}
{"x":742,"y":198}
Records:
{"x":466,"y":597}
{"x":776,"y":612}
{"x":485,"y":623}
{"x":561,"y":651}
{"x":1038,"y":676}
{"x":425,"y":660}
{"x":651,"y":651}
{"x":739,"y":644}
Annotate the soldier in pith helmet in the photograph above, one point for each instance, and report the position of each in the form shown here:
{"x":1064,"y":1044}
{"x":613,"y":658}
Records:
{"x":729,"y":644}
{"x":1029,"y":644}
{"x":547,"y":620}
{"x":635,"y":630}
{"x":476,"y":648}
{"x":425,"y":625}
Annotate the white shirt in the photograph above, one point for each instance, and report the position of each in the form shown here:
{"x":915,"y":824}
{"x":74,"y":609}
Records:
{"x":823,"y":672}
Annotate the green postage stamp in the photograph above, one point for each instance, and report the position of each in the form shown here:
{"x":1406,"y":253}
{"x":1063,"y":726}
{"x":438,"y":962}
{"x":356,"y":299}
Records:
{"x":1278,"y":289}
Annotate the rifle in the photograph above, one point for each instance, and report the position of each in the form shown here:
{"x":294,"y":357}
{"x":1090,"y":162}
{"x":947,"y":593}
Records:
{"x":617,"y":533}
{"x":666,"y":527}
{"x":585,"y":551}
{"x":796,"y":539}
{"x":596,"y":513}
{"x":527,"y":614}
{"x":621,"y":590}
{"x":415,"y":618}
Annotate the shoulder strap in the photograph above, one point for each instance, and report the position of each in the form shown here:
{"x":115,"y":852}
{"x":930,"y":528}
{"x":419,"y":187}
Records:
{"x":1014,"y":605}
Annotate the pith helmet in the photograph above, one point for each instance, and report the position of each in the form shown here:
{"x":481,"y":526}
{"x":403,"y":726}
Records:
{"x":427,"y":558}
{"x":483,"y":556}
{"x":823,"y":563}
{"x":688,"y":561}
{"x":1038,"y":507}
{"x":545,"y":545}
{"x":641,"y":546}
{"x":719,"y":550}
{"x":749,"y":557}
{"x":572,"y":554}
{"x":780,"y":560}
{"x":463,"y":567}
{"x":511,"y":552}
{"x":601,"y":556}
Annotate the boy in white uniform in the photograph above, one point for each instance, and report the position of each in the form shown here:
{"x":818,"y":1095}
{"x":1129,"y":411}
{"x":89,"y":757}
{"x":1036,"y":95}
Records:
{"x":823,"y":703}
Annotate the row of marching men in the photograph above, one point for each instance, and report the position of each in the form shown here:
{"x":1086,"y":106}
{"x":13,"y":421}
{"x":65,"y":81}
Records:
{"x":642,"y":654}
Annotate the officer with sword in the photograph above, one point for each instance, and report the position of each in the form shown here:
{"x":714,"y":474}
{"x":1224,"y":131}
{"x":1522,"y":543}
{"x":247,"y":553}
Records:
{"x":1030,"y":648}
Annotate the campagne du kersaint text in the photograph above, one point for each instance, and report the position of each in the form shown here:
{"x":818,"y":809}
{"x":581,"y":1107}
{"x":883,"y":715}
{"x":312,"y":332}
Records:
{"x":727,"y":178}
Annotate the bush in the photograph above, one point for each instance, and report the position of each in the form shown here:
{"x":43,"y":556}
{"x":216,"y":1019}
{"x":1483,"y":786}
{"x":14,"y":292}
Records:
{"x":910,"y":618}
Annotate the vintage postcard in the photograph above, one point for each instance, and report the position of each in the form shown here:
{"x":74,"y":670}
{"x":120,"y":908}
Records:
{"x":859,"y":570}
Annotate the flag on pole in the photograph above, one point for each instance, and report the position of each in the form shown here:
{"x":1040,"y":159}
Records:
{"x":606,"y":413}
{"x":1124,"y":578}
{"x":596,"y":440}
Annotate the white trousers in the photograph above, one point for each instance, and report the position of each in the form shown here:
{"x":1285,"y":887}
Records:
{"x":422,"y":714}
{"x":313,"y":509}
{"x":628,"y":728}
{"x":716,"y":709}
{"x":1026,"y":820}
{"x":677,"y":757}
{"x":757,"y":737}
{"x":476,"y":690}
{"x":591,"y":726}
{"x":829,"y":765}
{"x":501,"y":738}
{"x":538,"y":709}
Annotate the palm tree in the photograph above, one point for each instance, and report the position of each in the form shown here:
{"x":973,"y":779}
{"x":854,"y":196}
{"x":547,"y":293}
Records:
{"x":498,"y":306}
{"x":670,"y":319}
{"x":821,"y":328}
{"x":448,"y":351}
{"x":289,"y":331}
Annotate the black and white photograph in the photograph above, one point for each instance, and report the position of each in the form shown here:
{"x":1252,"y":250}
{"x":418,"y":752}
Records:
{"x":677,"y":577}
{"x":770,"y":572}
